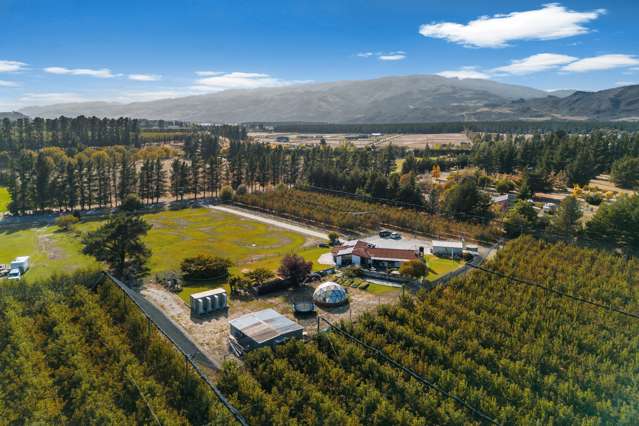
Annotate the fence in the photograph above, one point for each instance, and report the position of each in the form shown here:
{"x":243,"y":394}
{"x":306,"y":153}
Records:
{"x":188,"y":357}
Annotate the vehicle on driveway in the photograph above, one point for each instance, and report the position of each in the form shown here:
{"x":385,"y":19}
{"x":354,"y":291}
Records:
{"x":395,"y":236}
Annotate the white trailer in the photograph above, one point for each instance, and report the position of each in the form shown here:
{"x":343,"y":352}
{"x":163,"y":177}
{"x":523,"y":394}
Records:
{"x":18,"y":267}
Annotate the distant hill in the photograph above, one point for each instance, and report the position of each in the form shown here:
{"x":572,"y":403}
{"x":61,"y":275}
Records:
{"x":419,"y":98}
{"x":13,"y":115}
{"x":621,"y":103}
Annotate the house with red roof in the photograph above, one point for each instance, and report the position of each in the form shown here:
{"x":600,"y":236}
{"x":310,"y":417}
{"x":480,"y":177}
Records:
{"x":367,"y":255}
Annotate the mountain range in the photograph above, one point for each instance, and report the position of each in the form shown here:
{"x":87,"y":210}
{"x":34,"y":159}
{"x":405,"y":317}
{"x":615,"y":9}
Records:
{"x":418,"y":98}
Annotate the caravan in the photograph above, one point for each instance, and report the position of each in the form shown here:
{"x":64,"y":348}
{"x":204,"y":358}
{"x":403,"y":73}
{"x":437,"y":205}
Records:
{"x":18,"y":267}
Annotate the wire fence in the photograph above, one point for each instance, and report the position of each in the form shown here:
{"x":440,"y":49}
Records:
{"x":188,"y":357}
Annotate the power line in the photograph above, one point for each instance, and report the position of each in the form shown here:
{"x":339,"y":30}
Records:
{"x":411,"y":373}
{"x":557,"y":292}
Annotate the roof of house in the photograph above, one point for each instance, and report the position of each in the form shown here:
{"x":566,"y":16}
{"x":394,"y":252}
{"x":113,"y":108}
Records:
{"x":265,"y":325}
{"x":370,"y":251}
{"x":448,"y":244}
{"x":500,"y":198}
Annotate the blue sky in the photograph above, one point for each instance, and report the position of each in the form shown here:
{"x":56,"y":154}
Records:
{"x":63,"y":50}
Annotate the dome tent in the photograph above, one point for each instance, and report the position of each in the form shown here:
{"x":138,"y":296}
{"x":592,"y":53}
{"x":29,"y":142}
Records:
{"x":330,"y":294}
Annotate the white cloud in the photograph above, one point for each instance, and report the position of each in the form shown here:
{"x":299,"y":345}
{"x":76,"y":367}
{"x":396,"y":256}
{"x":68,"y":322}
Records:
{"x":384,"y":56}
{"x":101,"y":73}
{"x":11,"y":66}
{"x":552,"y":21}
{"x":602,"y":62}
{"x":145,"y":77}
{"x":208,"y":73}
{"x":626,"y":83}
{"x":464,"y":72}
{"x":7,"y":83}
{"x":239,"y":80}
{"x":535,"y":63}
{"x":393,"y":56}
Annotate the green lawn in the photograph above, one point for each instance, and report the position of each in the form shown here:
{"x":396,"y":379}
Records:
{"x":5,"y":198}
{"x":51,"y":251}
{"x":174,"y":236}
{"x":438,"y":266}
{"x":178,"y":234}
{"x":374,"y":288}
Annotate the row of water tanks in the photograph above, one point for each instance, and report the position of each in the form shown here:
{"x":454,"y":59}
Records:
{"x":208,"y":301}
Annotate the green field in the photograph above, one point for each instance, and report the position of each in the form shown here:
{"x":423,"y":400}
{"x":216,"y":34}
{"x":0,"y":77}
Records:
{"x":438,"y":266}
{"x":51,"y":251}
{"x":5,"y":198}
{"x":175,"y":235}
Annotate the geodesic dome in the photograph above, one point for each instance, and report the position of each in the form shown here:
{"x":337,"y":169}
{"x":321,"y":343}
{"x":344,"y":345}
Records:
{"x":330,"y":294}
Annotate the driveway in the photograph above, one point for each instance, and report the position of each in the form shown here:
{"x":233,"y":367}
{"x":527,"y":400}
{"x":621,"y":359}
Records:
{"x":271,"y":221}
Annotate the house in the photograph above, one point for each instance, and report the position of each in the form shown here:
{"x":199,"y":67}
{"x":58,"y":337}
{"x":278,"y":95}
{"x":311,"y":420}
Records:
{"x":448,"y":248}
{"x":503,"y":202}
{"x":263,"y":328}
{"x":362,"y":253}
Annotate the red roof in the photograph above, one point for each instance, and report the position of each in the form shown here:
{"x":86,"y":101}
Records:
{"x":363,"y":250}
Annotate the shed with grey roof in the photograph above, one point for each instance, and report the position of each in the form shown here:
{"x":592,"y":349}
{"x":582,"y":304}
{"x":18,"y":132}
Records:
{"x":263,"y":328}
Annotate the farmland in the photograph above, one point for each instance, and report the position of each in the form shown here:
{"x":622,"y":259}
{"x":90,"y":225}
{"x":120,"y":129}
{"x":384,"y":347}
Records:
{"x":72,"y":356}
{"x":514,"y":353}
{"x":417,"y":140}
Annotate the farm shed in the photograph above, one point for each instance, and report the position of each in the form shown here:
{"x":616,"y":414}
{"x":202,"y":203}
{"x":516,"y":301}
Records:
{"x":448,"y":248}
{"x":263,"y":328}
{"x":209,"y":301}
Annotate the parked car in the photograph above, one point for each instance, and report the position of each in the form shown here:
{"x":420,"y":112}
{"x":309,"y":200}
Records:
{"x":14,"y":274}
{"x":384,"y":233}
{"x":396,"y":236}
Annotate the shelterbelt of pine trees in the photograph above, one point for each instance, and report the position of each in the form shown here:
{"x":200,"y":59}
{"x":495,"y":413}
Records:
{"x":515,"y":353}
{"x":69,"y":355}
{"x":350,"y":213}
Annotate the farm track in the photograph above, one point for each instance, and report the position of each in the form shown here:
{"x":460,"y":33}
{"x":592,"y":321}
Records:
{"x":271,"y":221}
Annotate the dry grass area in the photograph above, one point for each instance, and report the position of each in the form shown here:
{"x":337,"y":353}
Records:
{"x":417,"y":140}
{"x":604,"y":184}
{"x":211,"y":332}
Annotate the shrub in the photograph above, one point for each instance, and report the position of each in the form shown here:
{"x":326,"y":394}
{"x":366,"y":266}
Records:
{"x":66,"y":222}
{"x":333,"y":237}
{"x":414,"y":269}
{"x":241,"y":190}
{"x":504,"y":186}
{"x":226,"y":194}
{"x":594,"y":198}
{"x":131,"y":203}
{"x":295,"y":268}
{"x":259,"y":276}
{"x":205,"y":267}
{"x":352,"y":271}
